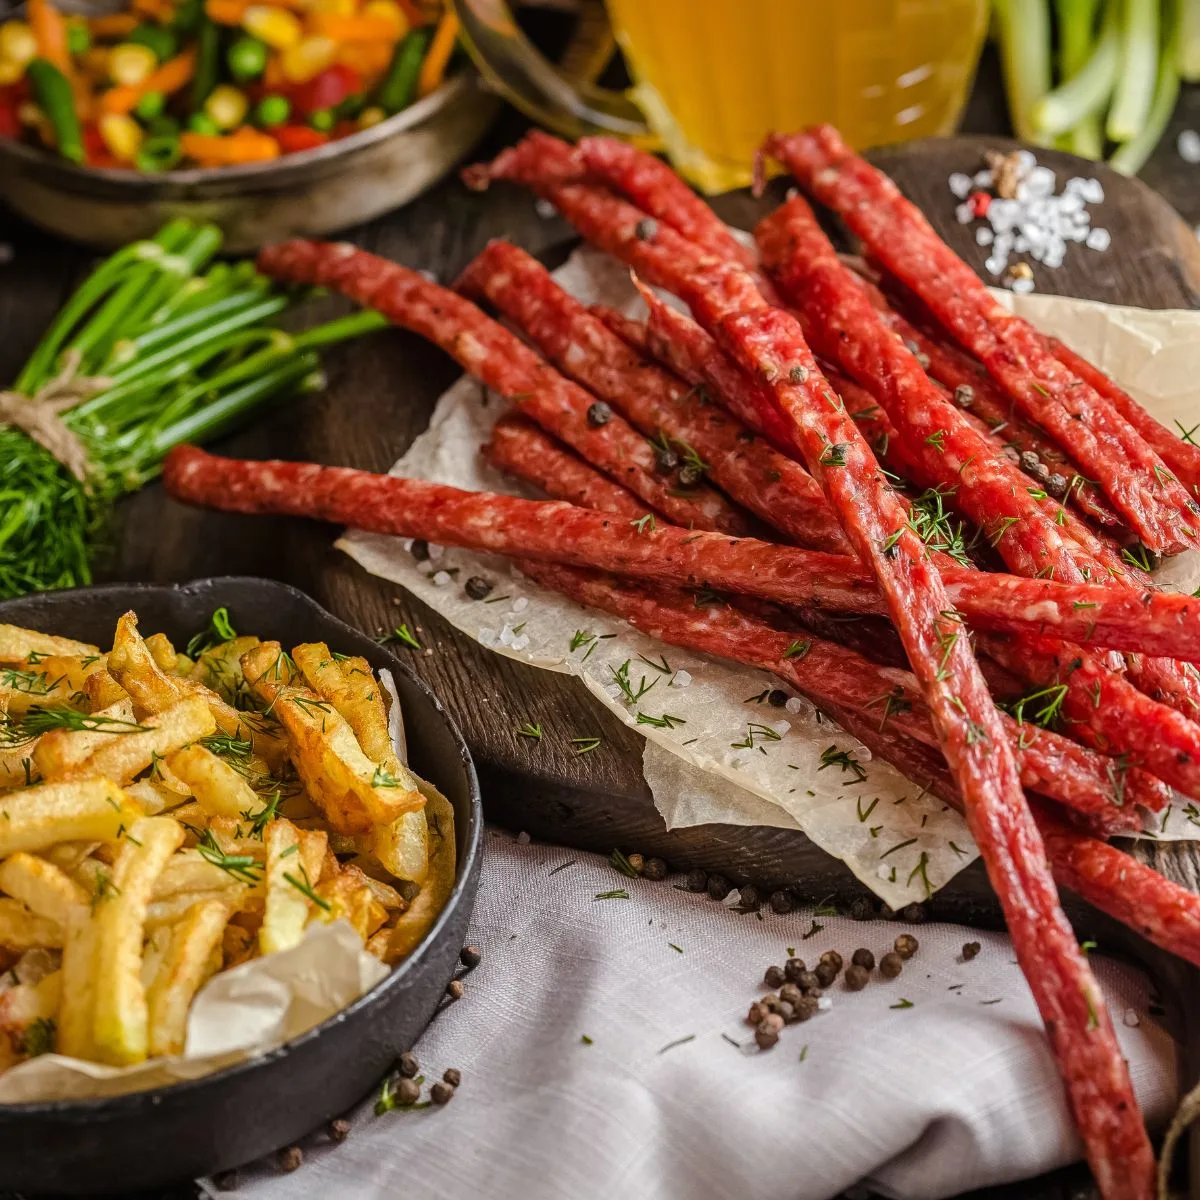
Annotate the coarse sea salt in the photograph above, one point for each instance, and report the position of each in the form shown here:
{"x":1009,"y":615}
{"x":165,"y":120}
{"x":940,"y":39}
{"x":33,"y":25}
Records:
{"x":681,"y":679}
{"x":1035,"y":221}
{"x":441,"y":578}
{"x":1188,"y":145}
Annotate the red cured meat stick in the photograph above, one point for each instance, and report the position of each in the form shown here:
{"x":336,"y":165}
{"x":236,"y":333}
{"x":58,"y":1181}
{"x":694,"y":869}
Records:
{"x":826,"y":672}
{"x":975,"y":391}
{"x":771,"y":485}
{"x":1181,"y":456}
{"x":847,"y":328}
{"x":1107,"y":447}
{"x":768,"y":343}
{"x":503,"y":362}
{"x":895,"y":233}
{"x":519,"y":447}
{"x":556,"y":532}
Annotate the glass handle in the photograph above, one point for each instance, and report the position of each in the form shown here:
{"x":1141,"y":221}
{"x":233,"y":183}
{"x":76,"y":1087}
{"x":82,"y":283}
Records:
{"x":563,"y":100}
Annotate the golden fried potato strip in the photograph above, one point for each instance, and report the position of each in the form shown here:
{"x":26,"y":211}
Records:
{"x":87,"y":810}
{"x":42,"y":887}
{"x":17,"y":644}
{"x":124,"y":757}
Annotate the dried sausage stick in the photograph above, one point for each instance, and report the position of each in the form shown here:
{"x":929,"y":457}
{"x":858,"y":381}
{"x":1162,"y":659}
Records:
{"x":557,"y":532}
{"x":657,"y":403}
{"x":824,"y":671}
{"x":518,"y":446}
{"x":1183,"y":457}
{"x":504,"y":363}
{"x":1107,"y":447}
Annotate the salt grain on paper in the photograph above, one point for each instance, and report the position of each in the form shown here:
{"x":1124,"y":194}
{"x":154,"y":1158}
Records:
{"x":520,"y":604}
{"x":1188,"y":145}
{"x":681,"y":679}
{"x":441,"y":578}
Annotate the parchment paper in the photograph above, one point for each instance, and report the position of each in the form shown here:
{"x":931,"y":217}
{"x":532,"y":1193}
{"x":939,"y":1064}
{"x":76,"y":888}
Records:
{"x":730,"y":756}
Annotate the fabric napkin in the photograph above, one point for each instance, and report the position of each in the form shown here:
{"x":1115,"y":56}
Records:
{"x":604,"y":1053}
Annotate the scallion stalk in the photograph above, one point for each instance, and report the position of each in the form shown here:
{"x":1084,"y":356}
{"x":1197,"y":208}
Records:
{"x":1023,"y":30}
{"x":1090,"y":73}
{"x":1133,"y":93}
{"x":1130,"y":157}
{"x":1189,"y":40}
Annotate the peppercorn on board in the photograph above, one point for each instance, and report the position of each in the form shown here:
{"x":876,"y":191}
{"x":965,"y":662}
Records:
{"x":171,"y":814}
{"x":214,"y":83}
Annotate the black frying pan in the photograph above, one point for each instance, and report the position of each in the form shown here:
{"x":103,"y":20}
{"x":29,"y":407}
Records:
{"x":149,"y":1139}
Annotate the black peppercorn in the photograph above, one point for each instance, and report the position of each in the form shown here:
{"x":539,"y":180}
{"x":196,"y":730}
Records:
{"x":441,"y":1093}
{"x":756,"y":1013}
{"x":453,"y":1076}
{"x":969,"y":950}
{"x":1056,"y":484}
{"x":408,"y":1065}
{"x":807,"y":1008}
{"x":856,"y":977}
{"x":718,"y":887}
{"x":470,"y":957}
{"x":778,"y":698}
{"x":798,"y":374}
{"x":455,"y":989}
{"x":887,"y":912}
{"x":690,"y":474}
{"x":774,"y":976}
{"x":478,"y":588}
{"x":419,"y":549}
{"x":782,"y":902}
{"x":862,"y":909}
{"x":964,"y":395}
{"x":769,"y":1003}
{"x":863,"y":958}
{"x":599,"y":414}
{"x":289,"y":1159}
{"x":906,"y":945}
{"x":749,"y":898}
{"x":339,"y":1129}
{"x":914,"y":914}
{"x":767,"y":1033}
{"x":890,"y":965}
{"x":790,"y":993}
{"x":645,"y":229}
{"x":794,"y":968}
{"x":666,"y":457}
{"x":787,"y":1012}
{"x":697,"y":881}
{"x":407,"y":1091}
{"x":637,"y":862}
{"x":1029,"y":460}
{"x":833,"y":958}
{"x":826,"y":973}
{"x":654,"y":870}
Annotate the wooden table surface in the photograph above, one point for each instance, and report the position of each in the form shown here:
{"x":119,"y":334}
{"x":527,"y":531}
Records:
{"x":381,"y":395}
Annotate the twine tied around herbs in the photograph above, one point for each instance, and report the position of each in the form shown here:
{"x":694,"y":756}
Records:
{"x":39,"y":415}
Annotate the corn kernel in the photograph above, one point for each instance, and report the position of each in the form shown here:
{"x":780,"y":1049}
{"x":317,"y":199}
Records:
{"x":370,"y":116}
{"x":275,"y":26}
{"x":307,"y":59}
{"x":336,"y":8}
{"x":28,"y":113}
{"x":226,"y":106}
{"x":18,"y":46}
{"x":122,"y":135}
{"x":10,"y":72}
{"x":388,"y":10}
{"x":130,"y":63}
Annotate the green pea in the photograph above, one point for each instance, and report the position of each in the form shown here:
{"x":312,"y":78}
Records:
{"x":322,"y":120}
{"x":79,"y":38}
{"x":163,"y":126}
{"x":158,"y":153}
{"x":150,"y":106}
{"x":247,"y":59}
{"x":272,"y":110}
{"x":199,"y":123}
{"x":162,"y":41}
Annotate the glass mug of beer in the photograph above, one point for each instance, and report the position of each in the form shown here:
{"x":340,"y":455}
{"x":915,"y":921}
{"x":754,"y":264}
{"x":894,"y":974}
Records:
{"x":711,"y":77}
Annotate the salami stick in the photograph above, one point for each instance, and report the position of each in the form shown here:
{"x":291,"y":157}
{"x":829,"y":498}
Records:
{"x":847,"y":327}
{"x":556,"y":532}
{"x":1183,"y":457}
{"x":771,"y":485}
{"x":519,"y":447}
{"x":826,"y":672}
{"x":1108,"y":449}
{"x":504,"y":363}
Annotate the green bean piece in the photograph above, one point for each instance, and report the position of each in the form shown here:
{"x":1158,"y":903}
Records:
{"x":399,"y":85}
{"x":52,"y":91}
{"x":162,"y":41}
{"x":208,"y":64}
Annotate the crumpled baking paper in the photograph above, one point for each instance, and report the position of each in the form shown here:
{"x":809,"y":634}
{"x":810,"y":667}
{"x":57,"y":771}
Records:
{"x":727,"y":755}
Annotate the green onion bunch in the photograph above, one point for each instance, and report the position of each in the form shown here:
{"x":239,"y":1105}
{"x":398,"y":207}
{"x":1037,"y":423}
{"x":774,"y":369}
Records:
{"x":187,"y":349}
{"x":1097,"y":77}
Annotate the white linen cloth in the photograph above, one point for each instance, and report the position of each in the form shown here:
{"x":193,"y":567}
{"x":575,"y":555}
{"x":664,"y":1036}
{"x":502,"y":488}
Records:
{"x":956,"y":1092}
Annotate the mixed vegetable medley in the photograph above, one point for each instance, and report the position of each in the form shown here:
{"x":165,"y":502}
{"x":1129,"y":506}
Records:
{"x":212,"y":83}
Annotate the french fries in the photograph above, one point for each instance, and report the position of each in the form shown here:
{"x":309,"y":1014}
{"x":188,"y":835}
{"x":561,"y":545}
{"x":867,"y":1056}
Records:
{"x":164,"y":816}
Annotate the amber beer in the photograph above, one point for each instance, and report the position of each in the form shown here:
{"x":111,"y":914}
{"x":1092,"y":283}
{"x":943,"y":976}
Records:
{"x":713,"y":75}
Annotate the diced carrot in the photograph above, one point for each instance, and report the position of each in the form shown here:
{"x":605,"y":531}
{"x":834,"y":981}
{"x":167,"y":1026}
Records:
{"x":354,"y":29}
{"x":433,"y":69}
{"x":113,"y":27}
{"x":369,"y":60}
{"x":50,"y":30}
{"x":169,"y":78}
{"x":246,"y":145}
{"x":162,"y":11}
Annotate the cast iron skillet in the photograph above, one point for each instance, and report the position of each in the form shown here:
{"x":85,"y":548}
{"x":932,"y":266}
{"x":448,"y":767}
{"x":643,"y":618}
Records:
{"x":149,"y":1139}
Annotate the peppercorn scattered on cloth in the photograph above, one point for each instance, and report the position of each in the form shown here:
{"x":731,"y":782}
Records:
{"x":213,"y":83}
{"x":603,"y":1048}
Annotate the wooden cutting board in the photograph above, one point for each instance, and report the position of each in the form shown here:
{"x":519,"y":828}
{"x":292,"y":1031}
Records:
{"x":380,"y":396}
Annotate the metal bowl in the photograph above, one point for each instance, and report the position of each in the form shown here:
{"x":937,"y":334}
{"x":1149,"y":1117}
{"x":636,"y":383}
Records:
{"x":308,"y":194}
{"x":144,"y":1140}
